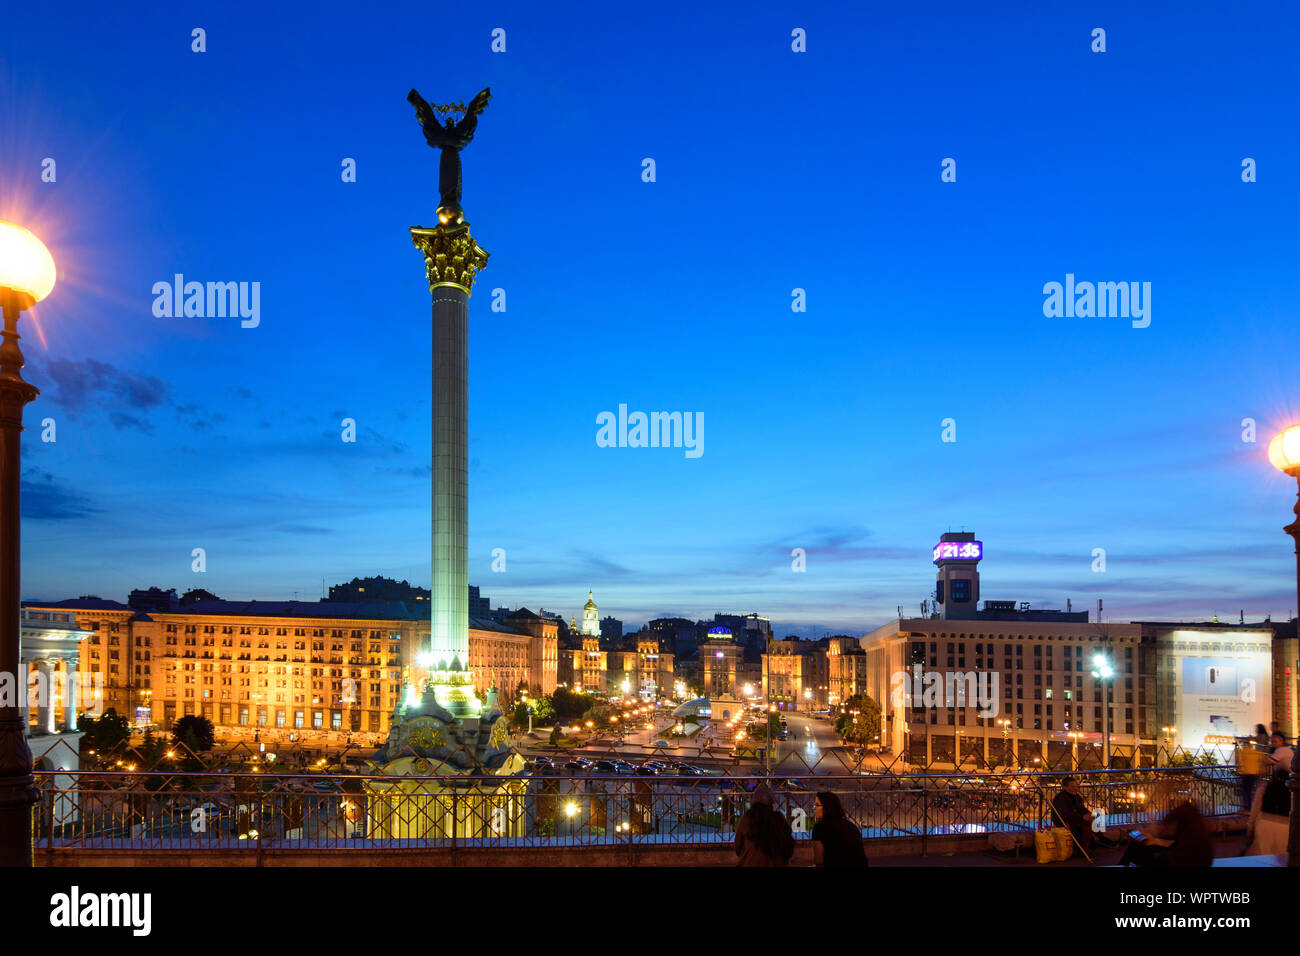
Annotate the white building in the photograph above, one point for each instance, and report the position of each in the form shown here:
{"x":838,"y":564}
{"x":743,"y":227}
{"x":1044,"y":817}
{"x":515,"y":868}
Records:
{"x":49,"y":651}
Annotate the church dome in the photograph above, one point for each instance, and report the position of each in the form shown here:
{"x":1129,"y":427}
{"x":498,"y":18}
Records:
{"x":591,"y":602}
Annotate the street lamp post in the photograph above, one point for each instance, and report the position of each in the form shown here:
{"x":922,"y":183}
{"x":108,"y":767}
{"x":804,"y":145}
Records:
{"x":1103,"y":674}
{"x":26,"y":276}
{"x":1284,"y":453}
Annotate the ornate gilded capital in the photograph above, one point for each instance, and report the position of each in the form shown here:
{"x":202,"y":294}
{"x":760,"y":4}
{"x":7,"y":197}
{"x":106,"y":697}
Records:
{"x":451,"y":256}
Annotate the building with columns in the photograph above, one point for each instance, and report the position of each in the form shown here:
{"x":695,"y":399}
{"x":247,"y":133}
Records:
{"x":311,"y":671}
{"x":50,"y":652}
{"x":49,"y":645}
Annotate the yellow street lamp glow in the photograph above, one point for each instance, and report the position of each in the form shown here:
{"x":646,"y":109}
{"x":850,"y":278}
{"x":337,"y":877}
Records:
{"x":26,"y":266}
{"x":1284,"y":451}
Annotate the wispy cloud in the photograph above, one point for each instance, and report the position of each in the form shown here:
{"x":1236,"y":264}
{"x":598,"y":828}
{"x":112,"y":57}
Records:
{"x":46,"y":498}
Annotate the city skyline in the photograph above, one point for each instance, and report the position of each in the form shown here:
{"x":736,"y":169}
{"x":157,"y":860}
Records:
{"x":824,"y":429}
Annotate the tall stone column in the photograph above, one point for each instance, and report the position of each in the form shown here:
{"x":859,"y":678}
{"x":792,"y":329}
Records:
{"x":25,"y":702}
{"x":452,"y":260}
{"x":70,"y":695}
{"x":45,"y":700}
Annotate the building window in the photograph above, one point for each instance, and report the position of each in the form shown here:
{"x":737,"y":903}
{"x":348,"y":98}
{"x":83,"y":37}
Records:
{"x":336,"y":720}
{"x":243,"y":716}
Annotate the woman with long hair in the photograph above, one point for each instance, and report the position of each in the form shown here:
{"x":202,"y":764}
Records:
{"x":837,"y":841}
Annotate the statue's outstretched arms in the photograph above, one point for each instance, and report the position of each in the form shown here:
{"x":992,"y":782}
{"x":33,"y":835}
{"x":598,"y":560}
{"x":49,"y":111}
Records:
{"x":479,"y":103}
{"x":422,"y":108}
{"x":424,"y":113}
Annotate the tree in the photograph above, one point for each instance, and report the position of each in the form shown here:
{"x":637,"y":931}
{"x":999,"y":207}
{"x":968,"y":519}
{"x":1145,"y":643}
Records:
{"x":198,"y":594}
{"x":859,"y":720}
{"x":569,"y":705}
{"x":151,"y":749}
{"x":543,"y":709}
{"x":194,"y":732}
{"x":106,"y":732}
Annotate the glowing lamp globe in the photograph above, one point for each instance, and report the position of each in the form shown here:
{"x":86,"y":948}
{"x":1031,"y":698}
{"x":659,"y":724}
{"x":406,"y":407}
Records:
{"x":1284,"y":451}
{"x":26,"y":266}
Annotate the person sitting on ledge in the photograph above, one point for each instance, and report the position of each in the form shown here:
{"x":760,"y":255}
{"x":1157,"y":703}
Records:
{"x":1180,"y":839}
{"x":1069,"y":810}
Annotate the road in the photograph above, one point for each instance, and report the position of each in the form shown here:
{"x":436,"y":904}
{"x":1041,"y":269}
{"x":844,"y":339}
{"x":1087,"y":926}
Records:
{"x":812,"y":746}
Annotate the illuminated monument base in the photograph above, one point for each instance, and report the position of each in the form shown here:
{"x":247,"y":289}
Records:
{"x":451,"y":769}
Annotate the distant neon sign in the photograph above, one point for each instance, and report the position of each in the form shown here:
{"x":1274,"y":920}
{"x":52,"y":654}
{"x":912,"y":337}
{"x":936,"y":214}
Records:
{"x":958,"y":551}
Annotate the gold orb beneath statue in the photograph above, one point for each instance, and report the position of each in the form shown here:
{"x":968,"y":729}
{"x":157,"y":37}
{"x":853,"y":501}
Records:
{"x":450,"y":215}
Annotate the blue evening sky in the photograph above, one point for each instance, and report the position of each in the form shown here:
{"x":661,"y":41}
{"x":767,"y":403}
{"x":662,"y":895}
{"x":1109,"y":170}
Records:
{"x":775,"y":170}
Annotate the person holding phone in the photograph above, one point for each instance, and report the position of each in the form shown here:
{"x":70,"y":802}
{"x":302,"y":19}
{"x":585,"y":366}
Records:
{"x":1180,"y":839}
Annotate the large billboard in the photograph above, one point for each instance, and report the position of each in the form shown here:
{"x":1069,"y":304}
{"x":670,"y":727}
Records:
{"x":1224,"y":693}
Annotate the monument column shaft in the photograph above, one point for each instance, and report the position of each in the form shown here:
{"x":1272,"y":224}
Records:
{"x":450,"y":599}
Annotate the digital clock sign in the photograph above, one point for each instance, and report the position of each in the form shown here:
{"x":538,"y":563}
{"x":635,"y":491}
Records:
{"x":958,"y":551}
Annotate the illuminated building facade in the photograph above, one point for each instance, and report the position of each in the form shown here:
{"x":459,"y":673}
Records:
{"x":721,"y":663}
{"x":295,"y":670}
{"x":115,"y":672}
{"x":1172,"y":685}
{"x":795,"y":675}
{"x":846,"y":670}
{"x":587,"y":667}
{"x":590,"y":618}
{"x":645,"y":669}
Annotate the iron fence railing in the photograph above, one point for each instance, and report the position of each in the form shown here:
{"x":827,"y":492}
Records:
{"x":192,"y":812}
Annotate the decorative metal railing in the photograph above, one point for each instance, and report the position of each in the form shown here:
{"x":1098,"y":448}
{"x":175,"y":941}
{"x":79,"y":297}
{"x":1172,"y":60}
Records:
{"x":161,"y":809}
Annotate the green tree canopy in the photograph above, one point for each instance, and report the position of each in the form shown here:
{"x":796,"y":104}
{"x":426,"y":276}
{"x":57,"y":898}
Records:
{"x":194,"y":732}
{"x":569,"y":705}
{"x":105,"y":732}
{"x":859,"y":720}
{"x":543,"y":711}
